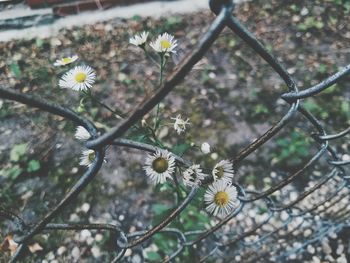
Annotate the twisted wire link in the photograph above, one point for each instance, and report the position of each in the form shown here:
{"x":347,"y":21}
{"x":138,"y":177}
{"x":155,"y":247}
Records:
{"x":247,"y":237}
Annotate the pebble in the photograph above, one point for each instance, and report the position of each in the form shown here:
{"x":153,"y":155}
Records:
{"x":293,"y":196}
{"x":75,"y":252}
{"x":214,"y":156}
{"x":84,"y":235}
{"x":212,"y":75}
{"x":99,"y":237}
{"x":136,"y":259}
{"x":326,"y":248}
{"x":50,"y":256}
{"x":108,"y":27}
{"x":342,"y":259}
{"x":90,"y":240}
{"x":340,"y":249}
{"x":333,"y":235}
{"x":307,"y":232}
{"x":345,"y":157}
{"x":74,"y":170}
{"x":85,"y":207}
{"x":252,"y":213}
{"x":206,"y":122}
{"x":106,"y":216}
{"x":128,"y":252}
{"x":61,"y":250}
{"x":74,"y":217}
{"x":329,"y":258}
{"x":96,"y":252}
{"x":296,"y":18}
{"x":284,"y":216}
{"x":310,"y":249}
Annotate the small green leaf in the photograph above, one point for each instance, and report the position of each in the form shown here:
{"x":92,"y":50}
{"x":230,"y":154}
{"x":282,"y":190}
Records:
{"x":159,"y":208}
{"x":16,"y":71}
{"x":136,"y":18}
{"x":322,"y":68}
{"x":14,"y":172}
{"x":33,"y":166}
{"x":39,"y":42}
{"x":153,"y":256}
{"x":180,"y":149}
{"x":18,"y":151}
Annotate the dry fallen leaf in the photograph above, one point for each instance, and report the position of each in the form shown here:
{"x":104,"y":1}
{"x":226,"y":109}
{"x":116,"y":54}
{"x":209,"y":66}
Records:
{"x":9,"y":245}
{"x":35,"y":247}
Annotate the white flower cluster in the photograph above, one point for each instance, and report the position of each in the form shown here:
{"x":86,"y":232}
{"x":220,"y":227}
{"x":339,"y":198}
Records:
{"x":164,"y":43}
{"x":220,"y":197}
{"x":79,"y":78}
{"x":180,"y":124}
{"x":160,"y":166}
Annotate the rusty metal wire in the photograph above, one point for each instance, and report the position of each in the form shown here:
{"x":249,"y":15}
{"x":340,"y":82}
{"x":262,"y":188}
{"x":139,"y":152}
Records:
{"x":294,"y":217}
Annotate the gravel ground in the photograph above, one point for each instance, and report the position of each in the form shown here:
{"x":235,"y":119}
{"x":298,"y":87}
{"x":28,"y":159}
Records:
{"x":230,"y":98}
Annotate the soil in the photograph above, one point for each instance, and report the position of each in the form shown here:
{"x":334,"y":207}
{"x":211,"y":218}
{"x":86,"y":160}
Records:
{"x":231,"y":97}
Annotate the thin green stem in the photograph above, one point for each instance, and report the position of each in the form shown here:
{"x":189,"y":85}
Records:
{"x":153,"y":133}
{"x":150,"y":57}
{"x":116,"y":112}
{"x":162,"y":64}
{"x":178,"y":189}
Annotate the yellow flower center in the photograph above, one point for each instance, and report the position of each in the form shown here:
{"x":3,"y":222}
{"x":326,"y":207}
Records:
{"x":220,"y":172}
{"x":165,"y":44}
{"x":91,"y":156}
{"x":80,"y":77}
{"x":160,"y":165}
{"x":66,"y":60}
{"x":221,"y":198}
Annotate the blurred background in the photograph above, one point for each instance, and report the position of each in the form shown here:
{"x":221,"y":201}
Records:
{"x":230,"y":98}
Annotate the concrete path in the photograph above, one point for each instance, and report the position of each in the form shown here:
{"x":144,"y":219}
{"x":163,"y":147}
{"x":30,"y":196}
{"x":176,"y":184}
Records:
{"x":154,"y":9}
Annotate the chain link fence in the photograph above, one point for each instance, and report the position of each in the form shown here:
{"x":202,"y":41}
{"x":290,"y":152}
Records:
{"x":282,"y":222}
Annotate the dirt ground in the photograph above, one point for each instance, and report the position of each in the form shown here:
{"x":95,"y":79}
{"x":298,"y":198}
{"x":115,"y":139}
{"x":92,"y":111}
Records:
{"x":231,"y":98}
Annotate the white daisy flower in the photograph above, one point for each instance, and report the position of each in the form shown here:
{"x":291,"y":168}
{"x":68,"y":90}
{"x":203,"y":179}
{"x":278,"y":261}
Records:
{"x":140,"y":39}
{"x":82,"y":134}
{"x":65,"y":61}
{"x":164,"y":43}
{"x":78,"y":78}
{"x":221,"y":198}
{"x":87,"y":157}
{"x":223,"y":171}
{"x":180,"y":124}
{"x":159,"y":166}
{"x":205,"y":148}
{"x":193,"y":175}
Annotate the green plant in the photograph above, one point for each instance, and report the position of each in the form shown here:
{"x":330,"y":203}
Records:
{"x":309,"y":23}
{"x":20,"y":163}
{"x":312,"y":106}
{"x":191,"y":219}
{"x":292,"y":150}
